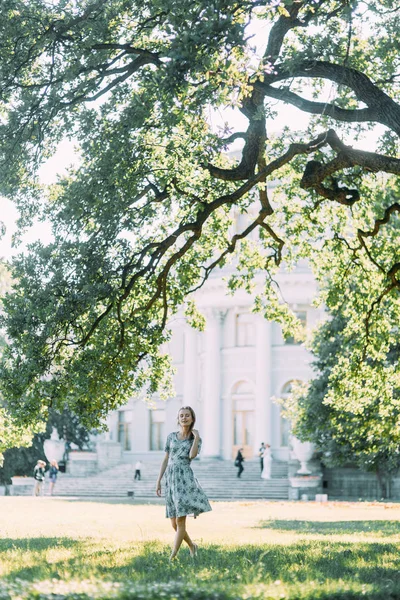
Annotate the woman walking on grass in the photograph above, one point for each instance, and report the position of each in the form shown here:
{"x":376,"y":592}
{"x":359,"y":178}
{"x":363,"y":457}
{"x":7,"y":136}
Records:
{"x":183,"y":494}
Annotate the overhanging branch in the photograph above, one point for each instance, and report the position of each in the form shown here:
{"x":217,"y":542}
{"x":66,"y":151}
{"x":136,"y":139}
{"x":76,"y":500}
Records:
{"x":387,"y":110}
{"x":318,"y":108}
{"x":316,"y":172}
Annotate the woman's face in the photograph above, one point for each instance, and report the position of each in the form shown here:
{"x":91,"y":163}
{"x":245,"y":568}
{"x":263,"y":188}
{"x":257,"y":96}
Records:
{"x":185,"y":418}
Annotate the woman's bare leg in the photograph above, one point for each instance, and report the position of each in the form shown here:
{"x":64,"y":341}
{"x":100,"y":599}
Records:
{"x":179,"y":524}
{"x":186,"y":536}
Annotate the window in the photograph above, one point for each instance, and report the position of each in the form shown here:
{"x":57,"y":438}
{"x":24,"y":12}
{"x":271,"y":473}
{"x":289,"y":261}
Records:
{"x":243,"y":427}
{"x":243,"y":388}
{"x":124,"y":429}
{"x":302,"y":316}
{"x":243,"y":404}
{"x":157,"y":423}
{"x":245,"y":331}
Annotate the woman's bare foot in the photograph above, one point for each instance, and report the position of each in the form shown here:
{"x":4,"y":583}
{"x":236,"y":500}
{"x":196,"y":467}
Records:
{"x":193,"y":551}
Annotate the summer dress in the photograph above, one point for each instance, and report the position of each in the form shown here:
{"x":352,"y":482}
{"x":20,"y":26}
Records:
{"x":183,"y":493}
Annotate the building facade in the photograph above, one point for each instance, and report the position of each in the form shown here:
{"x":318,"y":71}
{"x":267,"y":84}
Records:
{"x":230,"y":374}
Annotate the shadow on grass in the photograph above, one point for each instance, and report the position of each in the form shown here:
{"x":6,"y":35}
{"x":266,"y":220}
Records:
{"x":231,"y":570}
{"x":385,"y":528}
{"x":28,"y":558}
{"x":34,"y":544}
{"x":100,"y":500}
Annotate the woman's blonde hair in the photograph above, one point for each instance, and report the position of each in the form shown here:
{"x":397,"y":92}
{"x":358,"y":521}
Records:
{"x":191,"y":412}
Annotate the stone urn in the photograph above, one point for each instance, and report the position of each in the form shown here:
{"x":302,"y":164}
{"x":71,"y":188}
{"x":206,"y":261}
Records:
{"x":305,"y":481}
{"x":303,"y":451}
{"x":54,"y":448}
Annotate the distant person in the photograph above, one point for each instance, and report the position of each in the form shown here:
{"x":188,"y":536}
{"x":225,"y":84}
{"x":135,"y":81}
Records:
{"x":239,"y":462}
{"x":39,"y":475}
{"x":138,"y":469}
{"x":53,"y":472}
{"x":267,"y":458}
{"x":67,"y":450}
{"x":260,"y":454}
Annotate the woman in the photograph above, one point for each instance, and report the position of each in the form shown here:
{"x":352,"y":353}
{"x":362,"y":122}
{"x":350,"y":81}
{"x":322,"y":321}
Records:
{"x":183,"y":493}
{"x":266,"y":472}
{"x":53,"y":472}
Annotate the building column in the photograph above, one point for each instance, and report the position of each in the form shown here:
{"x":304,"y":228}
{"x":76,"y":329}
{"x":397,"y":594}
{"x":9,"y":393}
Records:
{"x":212,"y":386}
{"x":190,"y":395}
{"x":263,"y":383}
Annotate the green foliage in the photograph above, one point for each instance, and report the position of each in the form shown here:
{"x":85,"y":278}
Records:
{"x":22,"y":453}
{"x":12,"y":433}
{"x":350,"y":424}
{"x":20,"y":446}
{"x":351,"y":410}
{"x":147,"y":214}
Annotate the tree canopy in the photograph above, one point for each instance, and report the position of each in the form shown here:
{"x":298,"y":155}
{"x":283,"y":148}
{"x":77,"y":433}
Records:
{"x":147,"y":215}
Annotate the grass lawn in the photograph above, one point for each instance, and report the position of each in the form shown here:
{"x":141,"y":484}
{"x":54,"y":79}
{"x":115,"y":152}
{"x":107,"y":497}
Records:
{"x":56,"y":548}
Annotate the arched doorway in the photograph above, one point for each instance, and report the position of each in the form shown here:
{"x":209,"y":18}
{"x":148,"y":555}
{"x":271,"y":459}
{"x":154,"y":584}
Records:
{"x":243,"y":418}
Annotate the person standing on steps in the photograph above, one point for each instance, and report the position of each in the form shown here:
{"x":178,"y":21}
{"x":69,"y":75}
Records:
{"x":183,"y":493}
{"x":138,"y":470}
{"x":266,"y":472}
{"x":239,"y":462}
{"x":260,"y":454}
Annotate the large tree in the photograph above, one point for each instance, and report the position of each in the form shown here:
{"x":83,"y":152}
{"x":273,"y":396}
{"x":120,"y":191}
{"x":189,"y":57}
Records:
{"x":359,"y":429}
{"x":146,"y":217}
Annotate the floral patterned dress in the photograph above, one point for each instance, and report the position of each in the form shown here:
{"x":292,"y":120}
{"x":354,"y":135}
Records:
{"x":183,"y":493}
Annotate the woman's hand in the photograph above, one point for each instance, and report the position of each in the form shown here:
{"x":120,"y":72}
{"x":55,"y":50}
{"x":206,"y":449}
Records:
{"x":194,"y":450}
{"x":158,"y":488}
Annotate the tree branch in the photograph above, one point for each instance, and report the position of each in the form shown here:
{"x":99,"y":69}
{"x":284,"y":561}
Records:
{"x":387,"y":111}
{"x":317,"y":108}
{"x":391,"y":274}
{"x":379,"y":222}
{"x":315,"y":171}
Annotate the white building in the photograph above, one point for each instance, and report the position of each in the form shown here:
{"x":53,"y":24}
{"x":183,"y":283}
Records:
{"x":229,"y":374}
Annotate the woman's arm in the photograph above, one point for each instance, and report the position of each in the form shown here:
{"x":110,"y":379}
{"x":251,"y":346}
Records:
{"x":162,"y":471}
{"x":194,"y":450}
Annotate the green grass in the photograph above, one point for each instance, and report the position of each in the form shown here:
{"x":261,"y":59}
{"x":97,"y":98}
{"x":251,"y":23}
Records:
{"x":56,"y":549}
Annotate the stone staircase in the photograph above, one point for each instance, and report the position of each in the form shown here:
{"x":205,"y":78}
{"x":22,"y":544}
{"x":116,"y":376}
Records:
{"x":217,"y":478}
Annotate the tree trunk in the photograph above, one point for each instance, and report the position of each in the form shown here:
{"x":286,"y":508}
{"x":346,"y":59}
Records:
{"x":383,"y":483}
